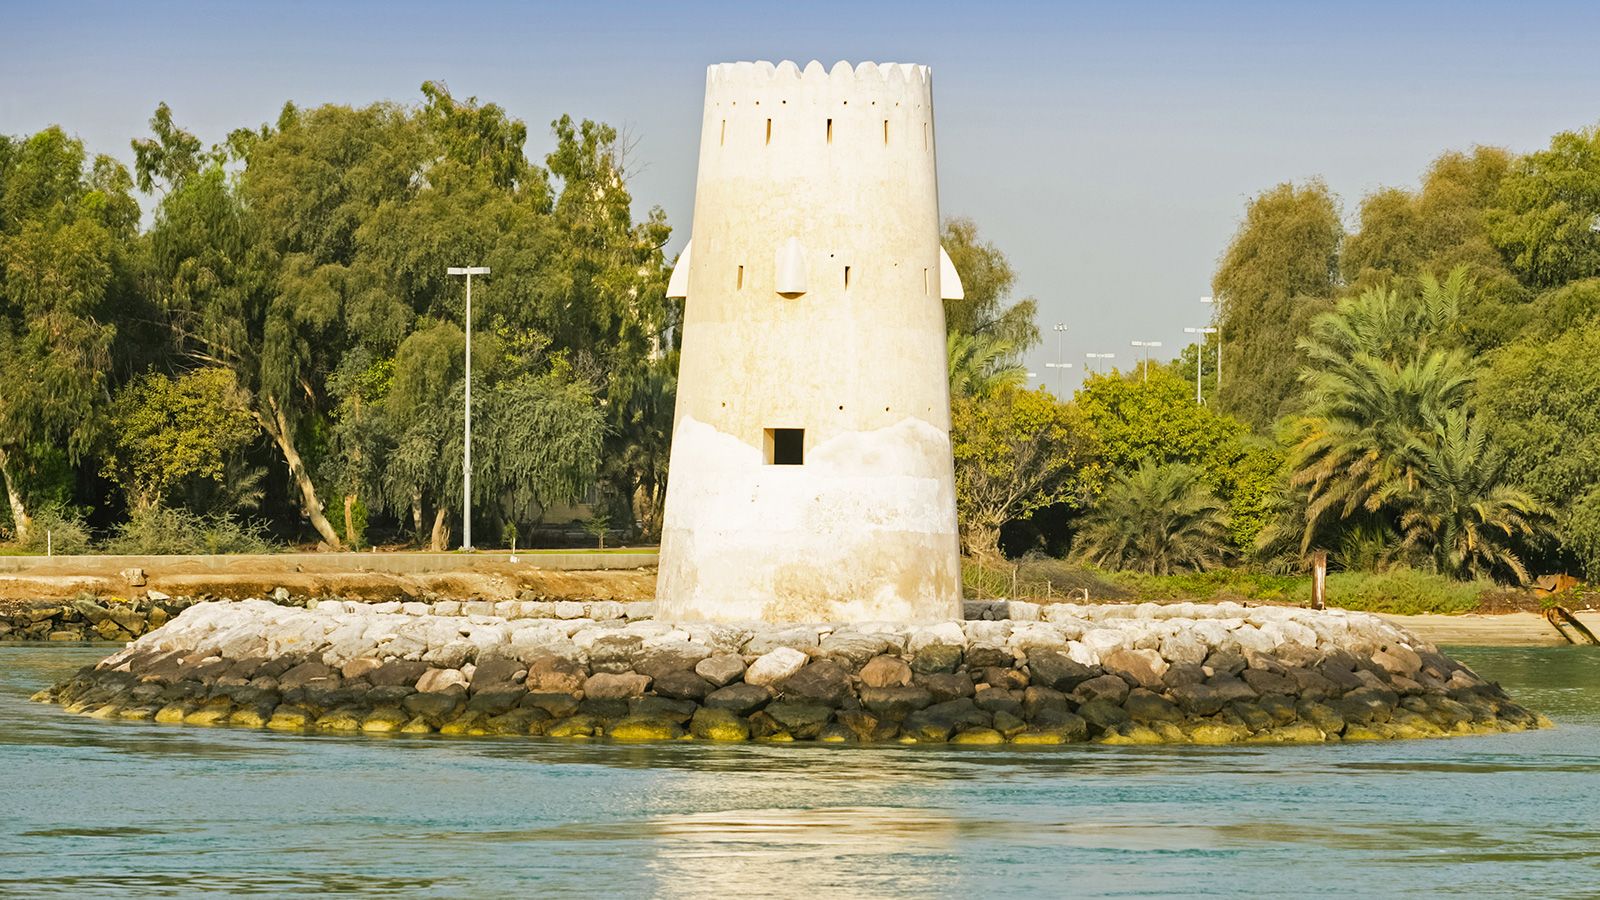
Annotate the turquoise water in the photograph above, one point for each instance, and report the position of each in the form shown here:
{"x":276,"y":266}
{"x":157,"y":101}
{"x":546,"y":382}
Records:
{"x":92,"y":808}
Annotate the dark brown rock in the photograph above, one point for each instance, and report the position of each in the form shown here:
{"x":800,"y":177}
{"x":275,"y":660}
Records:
{"x":821,"y":681}
{"x":895,"y":703}
{"x":1056,"y":670}
{"x":681,"y":684}
{"x":740,"y":699}
{"x":946,"y":685}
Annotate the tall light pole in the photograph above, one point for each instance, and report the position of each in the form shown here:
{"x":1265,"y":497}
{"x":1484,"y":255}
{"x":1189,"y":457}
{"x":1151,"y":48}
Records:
{"x":466,"y":414}
{"x":1146,"y":345}
{"x":1199,"y":359}
{"x":1061,"y":331}
{"x":1060,"y":368}
{"x":1094,"y":356}
{"x":1216,"y":316}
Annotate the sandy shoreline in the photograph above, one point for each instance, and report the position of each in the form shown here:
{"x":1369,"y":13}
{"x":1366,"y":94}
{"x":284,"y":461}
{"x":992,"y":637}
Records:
{"x":1502,"y":629}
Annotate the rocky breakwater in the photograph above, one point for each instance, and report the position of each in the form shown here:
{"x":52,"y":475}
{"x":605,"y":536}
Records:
{"x":1184,"y":673}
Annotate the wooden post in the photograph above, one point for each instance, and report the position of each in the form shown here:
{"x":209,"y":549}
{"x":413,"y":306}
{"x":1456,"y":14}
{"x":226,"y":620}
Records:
{"x":1319,"y":579}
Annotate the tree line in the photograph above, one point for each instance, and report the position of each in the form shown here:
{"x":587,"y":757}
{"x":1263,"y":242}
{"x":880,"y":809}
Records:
{"x":281,"y":346}
{"x":1419,"y":392}
{"x":277,"y":355}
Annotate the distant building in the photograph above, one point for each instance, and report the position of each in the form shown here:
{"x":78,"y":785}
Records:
{"x":811,"y":476}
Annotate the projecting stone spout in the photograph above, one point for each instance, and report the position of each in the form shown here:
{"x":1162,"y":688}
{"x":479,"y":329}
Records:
{"x":811,"y":470}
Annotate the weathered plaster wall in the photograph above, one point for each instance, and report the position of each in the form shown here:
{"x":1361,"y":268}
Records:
{"x":841,"y":163}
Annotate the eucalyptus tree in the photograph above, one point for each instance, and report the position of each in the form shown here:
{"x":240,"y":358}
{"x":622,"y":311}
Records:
{"x":1280,"y":271}
{"x":68,"y":228}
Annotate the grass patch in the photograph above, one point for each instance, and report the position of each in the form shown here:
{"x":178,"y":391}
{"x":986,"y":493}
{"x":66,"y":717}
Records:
{"x":1398,"y":592}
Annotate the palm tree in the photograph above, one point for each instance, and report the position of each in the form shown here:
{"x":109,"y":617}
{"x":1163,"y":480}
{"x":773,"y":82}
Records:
{"x":1462,"y":516}
{"x":1382,"y":369}
{"x":1386,"y":456}
{"x":1157,"y":519}
{"x":981,"y":364}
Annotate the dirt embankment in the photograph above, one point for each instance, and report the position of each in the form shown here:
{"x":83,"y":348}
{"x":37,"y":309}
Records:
{"x":469,"y":578}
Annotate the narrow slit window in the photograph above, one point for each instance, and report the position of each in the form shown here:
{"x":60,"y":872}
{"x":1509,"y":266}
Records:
{"x":924,"y":281}
{"x":786,"y":446}
{"x":722,"y":138}
{"x":847,"y":278}
{"x":830,"y":131}
{"x":886,"y":132}
{"x":738,"y":282}
{"x":769,"y":131}
{"x":924,"y":135}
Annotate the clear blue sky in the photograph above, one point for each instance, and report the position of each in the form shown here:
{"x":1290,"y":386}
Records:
{"x":1108,"y":148}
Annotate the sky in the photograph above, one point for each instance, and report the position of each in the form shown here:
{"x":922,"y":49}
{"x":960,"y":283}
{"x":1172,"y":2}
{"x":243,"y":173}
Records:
{"x":1108,"y":148}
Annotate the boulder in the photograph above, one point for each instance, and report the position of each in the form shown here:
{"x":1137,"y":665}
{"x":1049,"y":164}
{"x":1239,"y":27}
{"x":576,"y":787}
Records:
{"x":1054,"y":669}
{"x":947,"y":685}
{"x":895,"y":703}
{"x":711,"y":724}
{"x":681,"y":684}
{"x":1144,"y":667}
{"x":1111,"y":688}
{"x":775,"y":666}
{"x":803,"y":720}
{"x":824,"y":682}
{"x":615,"y":686}
{"x":936,"y":658}
{"x":557,"y":674}
{"x":721,"y":669}
{"x":435,"y":680}
{"x":885,"y":671}
{"x":740,"y":699}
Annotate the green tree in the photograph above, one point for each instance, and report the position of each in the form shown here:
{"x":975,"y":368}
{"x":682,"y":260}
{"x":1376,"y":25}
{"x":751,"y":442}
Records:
{"x":987,"y":280}
{"x":1390,"y":460}
{"x":1157,"y":519}
{"x":166,"y":432}
{"x":980,"y":364}
{"x":1440,"y":228}
{"x":1462,"y":516}
{"x":1545,"y":210}
{"x":1141,"y":421}
{"x":1539,"y":400}
{"x":1016,"y":452}
{"x":67,"y":232}
{"x":1280,"y":270}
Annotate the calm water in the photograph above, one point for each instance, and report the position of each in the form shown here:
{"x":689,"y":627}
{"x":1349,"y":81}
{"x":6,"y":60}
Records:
{"x":93,"y":808}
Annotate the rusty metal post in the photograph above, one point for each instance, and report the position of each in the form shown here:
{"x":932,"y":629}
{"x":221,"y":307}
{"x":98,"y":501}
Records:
{"x":1319,"y":580}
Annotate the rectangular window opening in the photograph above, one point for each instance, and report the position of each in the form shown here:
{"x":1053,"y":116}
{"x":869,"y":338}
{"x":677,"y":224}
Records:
{"x":847,"y":278}
{"x":830,"y":131}
{"x":786,"y":446}
{"x":924,"y":282}
{"x":886,"y":132}
{"x":738,"y":283}
{"x":769,"y":131}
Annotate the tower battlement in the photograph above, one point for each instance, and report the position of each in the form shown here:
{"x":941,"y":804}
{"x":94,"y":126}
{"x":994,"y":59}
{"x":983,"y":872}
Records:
{"x":763,"y":74}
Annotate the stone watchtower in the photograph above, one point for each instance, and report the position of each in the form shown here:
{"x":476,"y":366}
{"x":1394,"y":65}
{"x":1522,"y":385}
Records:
{"x":811,"y":476}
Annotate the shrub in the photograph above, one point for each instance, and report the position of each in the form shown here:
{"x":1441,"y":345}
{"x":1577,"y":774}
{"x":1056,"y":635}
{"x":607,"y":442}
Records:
{"x":160,"y":530}
{"x":58,"y":529}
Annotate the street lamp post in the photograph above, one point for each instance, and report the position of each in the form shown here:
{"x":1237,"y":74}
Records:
{"x":1199,"y":359}
{"x":1146,"y":345}
{"x":1094,"y":356}
{"x":1216,"y":316}
{"x":1061,"y":331}
{"x":466,"y":414}
{"x":1060,"y":368}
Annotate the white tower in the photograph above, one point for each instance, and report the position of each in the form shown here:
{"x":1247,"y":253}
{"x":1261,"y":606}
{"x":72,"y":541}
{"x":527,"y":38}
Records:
{"x":811,"y":477}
